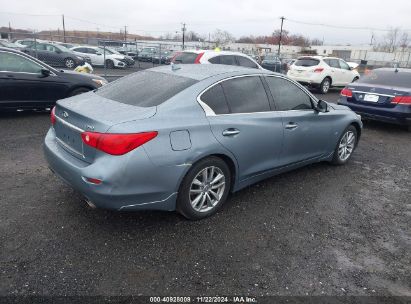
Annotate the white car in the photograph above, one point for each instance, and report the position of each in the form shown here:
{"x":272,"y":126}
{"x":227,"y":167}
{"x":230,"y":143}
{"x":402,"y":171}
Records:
{"x":215,"y":57}
{"x":96,"y":56}
{"x":322,"y":72}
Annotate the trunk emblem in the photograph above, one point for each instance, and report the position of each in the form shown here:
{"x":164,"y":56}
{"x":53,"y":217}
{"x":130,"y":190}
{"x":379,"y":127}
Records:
{"x":89,"y":127}
{"x":65,"y":114}
{"x":372,"y":89}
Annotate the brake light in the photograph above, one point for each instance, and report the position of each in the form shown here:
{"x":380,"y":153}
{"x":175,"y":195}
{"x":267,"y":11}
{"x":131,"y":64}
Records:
{"x":346,"y":92}
{"x":318,"y":70}
{"x":116,"y":144}
{"x":197,"y":60}
{"x":404,"y":100}
{"x":53,"y":115}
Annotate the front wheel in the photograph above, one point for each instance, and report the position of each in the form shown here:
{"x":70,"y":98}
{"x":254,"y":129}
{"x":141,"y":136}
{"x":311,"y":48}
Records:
{"x":69,"y":63}
{"x":345,"y":146}
{"x":204,"y":189}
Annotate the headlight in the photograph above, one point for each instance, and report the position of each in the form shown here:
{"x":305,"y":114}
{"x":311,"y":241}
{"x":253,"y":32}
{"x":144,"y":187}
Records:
{"x":80,"y":58}
{"x":100,"y":82}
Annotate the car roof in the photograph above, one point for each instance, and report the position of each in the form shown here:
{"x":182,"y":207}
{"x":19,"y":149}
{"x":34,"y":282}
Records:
{"x":215,"y":52}
{"x":203,"y":71}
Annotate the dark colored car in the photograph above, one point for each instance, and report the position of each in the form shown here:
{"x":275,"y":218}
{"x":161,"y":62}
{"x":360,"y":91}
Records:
{"x":271,"y":62}
{"x":55,"y":55}
{"x":27,"y":83}
{"x":147,"y":54}
{"x":384,"y":94}
{"x":166,"y":57}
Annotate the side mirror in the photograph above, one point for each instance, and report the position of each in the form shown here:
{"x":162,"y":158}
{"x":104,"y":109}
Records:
{"x":322,"y":106}
{"x":99,"y":54}
{"x":45,"y":72}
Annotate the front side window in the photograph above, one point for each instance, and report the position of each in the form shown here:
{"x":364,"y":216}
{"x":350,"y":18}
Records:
{"x":287,"y":95}
{"x":246,"y":95}
{"x":15,"y":63}
{"x":344,"y":65}
{"x":215,"y":99}
{"x":185,"y":57}
{"x":245,"y":62}
{"x":228,"y":60}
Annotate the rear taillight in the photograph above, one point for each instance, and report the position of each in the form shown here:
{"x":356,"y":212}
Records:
{"x":197,"y":60}
{"x":318,"y":70}
{"x":116,"y":144}
{"x":53,"y":115}
{"x":404,"y":100}
{"x":346,"y":92}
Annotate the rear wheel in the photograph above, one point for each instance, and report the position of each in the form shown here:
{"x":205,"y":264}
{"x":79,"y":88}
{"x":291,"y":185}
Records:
{"x":345,"y":146}
{"x":325,"y":85}
{"x":204,"y":189}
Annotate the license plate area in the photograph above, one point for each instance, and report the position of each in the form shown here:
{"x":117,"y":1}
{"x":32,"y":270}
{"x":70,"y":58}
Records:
{"x":69,"y":138}
{"x":371,"y":98}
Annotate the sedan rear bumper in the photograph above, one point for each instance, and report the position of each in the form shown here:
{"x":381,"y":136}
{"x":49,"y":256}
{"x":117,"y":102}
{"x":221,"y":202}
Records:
{"x":400,"y":115}
{"x":129,"y":182}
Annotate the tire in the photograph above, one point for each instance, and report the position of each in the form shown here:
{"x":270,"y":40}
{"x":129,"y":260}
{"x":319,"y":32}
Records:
{"x":109,"y":64}
{"x":325,"y":85}
{"x":198,"y":198}
{"x":345,"y":145}
{"x":69,"y":63}
{"x":79,"y":91}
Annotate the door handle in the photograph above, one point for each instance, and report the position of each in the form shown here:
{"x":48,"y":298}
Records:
{"x":291,"y":126}
{"x":231,"y":132}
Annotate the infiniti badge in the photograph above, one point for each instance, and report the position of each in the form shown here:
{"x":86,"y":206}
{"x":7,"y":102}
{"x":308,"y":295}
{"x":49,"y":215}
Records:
{"x":65,"y":114}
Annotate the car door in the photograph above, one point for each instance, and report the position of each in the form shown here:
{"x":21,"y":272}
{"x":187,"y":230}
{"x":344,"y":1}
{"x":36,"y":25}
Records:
{"x":96,"y":57}
{"x":306,"y":131}
{"x":347,"y":76}
{"x":335,"y":72}
{"x":242,"y":120}
{"x":245,"y":62}
{"x":22,"y":83}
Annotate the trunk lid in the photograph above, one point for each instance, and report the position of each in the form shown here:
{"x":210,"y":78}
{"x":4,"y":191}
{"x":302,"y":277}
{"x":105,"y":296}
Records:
{"x":90,"y":112}
{"x":378,"y":96}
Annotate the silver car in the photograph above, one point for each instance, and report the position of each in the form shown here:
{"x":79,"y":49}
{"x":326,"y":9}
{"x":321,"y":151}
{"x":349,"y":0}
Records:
{"x":183,"y":137}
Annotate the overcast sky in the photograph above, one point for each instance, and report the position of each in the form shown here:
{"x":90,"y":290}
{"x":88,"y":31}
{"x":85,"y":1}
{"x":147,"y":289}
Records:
{"x":239,"y":17}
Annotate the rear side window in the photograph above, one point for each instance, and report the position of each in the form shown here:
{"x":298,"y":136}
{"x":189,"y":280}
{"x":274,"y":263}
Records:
{"x":246,"y":95}
{"x":388,"y":78}
{"x":245,"y":62}
{"x":185,"y":57}
{"x":214,"y":60}
{"x":145,"y":88}
{"x":287,"y":95}
{"x":307,"y":62}
{"x":215,"y":99}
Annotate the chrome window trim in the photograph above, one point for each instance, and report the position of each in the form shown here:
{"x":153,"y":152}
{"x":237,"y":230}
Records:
{"x":209,"y":112}
{"x":69,"y":124}
{"x":51,"y":72}
{"x":372,"y":93}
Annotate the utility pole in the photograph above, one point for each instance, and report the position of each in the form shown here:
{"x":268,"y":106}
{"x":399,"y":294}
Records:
{"x":125,"y":33}
{"x":281,"y":35}
{"x":10,"y":31}
{"x":184,"y":32}
{"x":64,"y":30}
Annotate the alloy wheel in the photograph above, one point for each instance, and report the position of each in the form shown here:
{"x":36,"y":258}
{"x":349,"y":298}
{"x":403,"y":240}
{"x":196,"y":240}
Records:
{"x":326,"y":86}
{"x":207,"y":189}
{"x":69,"y":63}
{"x":346,"y":146}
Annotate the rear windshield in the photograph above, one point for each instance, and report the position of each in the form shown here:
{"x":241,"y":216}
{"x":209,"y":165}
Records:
{"x":145,"y":88}
{"x":185,"y":57}
{"x":307,"y":62}
{"x":388,"y":78}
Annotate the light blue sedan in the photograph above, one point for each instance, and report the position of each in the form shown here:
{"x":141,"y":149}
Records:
{"x":183,"y":137}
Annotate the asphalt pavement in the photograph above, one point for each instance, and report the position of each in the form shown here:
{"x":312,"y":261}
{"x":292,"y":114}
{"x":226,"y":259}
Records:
{"x":319,"y":230}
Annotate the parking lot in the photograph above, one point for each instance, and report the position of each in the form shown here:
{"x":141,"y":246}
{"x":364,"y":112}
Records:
{"x":317,"y":230}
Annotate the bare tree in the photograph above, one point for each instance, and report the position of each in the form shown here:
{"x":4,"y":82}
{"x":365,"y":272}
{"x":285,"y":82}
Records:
{"x":404,"y":40}
{"x":390,"y":42}
{"x":221,"y":37}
